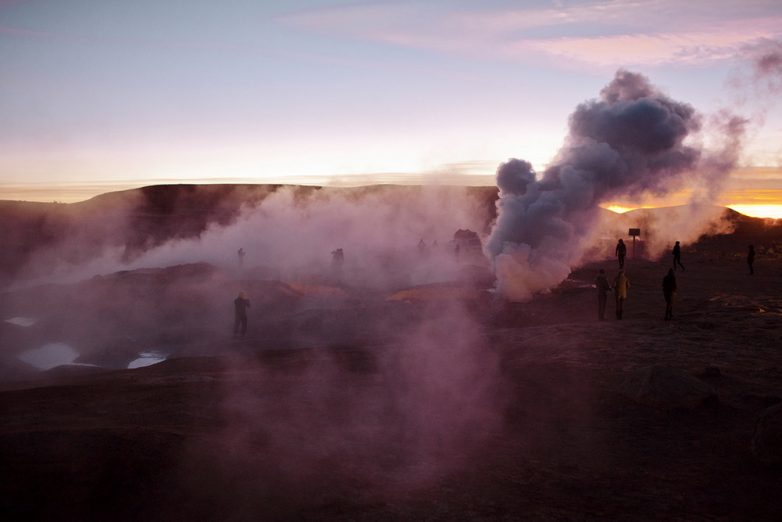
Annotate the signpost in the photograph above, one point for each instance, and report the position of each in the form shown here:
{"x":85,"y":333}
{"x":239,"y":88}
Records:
{"x":634,"y":232}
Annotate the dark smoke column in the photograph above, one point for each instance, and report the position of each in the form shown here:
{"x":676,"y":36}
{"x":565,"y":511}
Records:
{"x":628,"y":141}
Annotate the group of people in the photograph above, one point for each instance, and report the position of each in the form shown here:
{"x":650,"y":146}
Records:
{"x":621,"y":284}
{"x":621,"y":288}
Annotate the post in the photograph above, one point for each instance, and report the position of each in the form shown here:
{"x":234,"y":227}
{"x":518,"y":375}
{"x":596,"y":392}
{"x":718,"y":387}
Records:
{"x":634,"y":232}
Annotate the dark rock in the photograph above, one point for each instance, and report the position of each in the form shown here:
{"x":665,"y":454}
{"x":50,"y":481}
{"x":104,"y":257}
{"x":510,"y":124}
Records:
{"x":667,"y":389}
{"x":767,"y":439}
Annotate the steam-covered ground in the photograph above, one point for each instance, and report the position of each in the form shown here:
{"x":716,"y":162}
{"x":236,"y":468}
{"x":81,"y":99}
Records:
{"x":438,"y":402}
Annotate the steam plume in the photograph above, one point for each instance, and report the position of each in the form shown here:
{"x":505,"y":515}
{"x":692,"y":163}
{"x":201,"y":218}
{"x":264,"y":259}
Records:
{"x":631,"y":140}
{"x":768,"y":67}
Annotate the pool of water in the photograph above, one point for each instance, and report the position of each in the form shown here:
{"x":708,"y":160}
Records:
{"x":49,"y":356}
{"x":146,"y":359}
{"x":22,"y":321}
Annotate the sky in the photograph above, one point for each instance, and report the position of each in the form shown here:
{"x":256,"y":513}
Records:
{"x":104,"y":94}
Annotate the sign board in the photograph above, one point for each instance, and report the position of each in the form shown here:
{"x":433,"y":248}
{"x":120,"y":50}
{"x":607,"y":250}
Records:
{"x":634,"y":232}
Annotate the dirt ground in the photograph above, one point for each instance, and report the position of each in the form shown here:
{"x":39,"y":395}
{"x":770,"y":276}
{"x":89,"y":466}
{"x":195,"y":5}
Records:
{"x":537,"y":425}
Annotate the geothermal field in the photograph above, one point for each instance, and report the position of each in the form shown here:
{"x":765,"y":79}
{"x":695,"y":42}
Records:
{"x":410,"y":352}
{"x":397,"y":385}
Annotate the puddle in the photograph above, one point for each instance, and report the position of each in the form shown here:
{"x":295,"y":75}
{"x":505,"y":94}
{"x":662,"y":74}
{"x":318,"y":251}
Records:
{"x":49,"y":355}
{"x":146,"y":359}
{"x":22,"y":321}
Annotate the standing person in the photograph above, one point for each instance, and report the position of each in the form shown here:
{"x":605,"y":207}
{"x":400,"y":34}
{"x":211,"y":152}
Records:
{"x":241,"y":304}
{"x":751,"y":259}
{"x":669,"y":289}
{"x":621,"y":252}
{"x":602,"y":294}
{"x":677,"y":255}
{"x":621,"y":287}
{"x":337,"y":260}
{"x":241,"y":253}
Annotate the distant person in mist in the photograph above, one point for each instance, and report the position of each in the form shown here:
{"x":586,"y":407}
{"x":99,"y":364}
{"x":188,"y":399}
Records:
{"x":241,"y":304}
{"x":621,"y":286}
{"x":241,"y":253}
{"x":337,"y":260}
{"x":422,"y":249}
{"x":751,"y":259}
{"x":621,"y":252}
{"x":669,"y":290}
{"x":677,"y":256}
{"x":601,"y":282}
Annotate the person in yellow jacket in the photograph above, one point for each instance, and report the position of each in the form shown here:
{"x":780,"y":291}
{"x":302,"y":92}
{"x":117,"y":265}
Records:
{"x":621,"y":287}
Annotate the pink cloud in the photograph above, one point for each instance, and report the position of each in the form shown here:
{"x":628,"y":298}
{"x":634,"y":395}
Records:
{"x":646,"y":49}
{"x":633,"y":33}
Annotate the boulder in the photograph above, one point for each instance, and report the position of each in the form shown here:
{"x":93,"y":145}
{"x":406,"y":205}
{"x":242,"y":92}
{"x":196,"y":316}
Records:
{"x":767,"y":439}
{"x":667,"y":388}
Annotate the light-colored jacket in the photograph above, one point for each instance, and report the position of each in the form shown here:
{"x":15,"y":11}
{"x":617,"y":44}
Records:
{"x":622,"y":285}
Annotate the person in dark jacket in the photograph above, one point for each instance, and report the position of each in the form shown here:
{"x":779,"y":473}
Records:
{"x":677,"y":255}
{"x":602,"y":294}
{"x":241,"y":304}
{"x":621,"y":252}
{"x":669,"y":289}
{"x":751,"y":259}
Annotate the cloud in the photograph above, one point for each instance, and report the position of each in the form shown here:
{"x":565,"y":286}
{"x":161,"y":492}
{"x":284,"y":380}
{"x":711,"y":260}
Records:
{"x":598,"y":33}
{"x":694,"y":48}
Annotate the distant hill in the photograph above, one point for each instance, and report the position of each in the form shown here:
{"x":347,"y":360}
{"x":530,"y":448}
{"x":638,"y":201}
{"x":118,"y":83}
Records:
{"x":744,"y":228}
{"x":137,"y":219}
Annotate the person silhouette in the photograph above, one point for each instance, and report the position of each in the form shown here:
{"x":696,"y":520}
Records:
{"x":751,"y":259}
{"x":669,"y":290}
{"x":621,"y":252}
{"x":241,"y":304}
{"x":241,"y":253}
{"x":601,"y":282}
{"x":621,"y":287}
{"x":337,"y":260}
{"x":677,"y":256}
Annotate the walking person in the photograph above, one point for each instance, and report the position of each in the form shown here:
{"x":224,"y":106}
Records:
{"x":620,"y":252}
{"x":621,"y":288}
{"x":601,"y":282}
{"x":669,"y":290}
{"x":751,"y":259}
{"x":241,"y":304}
{"x":677,"y":256}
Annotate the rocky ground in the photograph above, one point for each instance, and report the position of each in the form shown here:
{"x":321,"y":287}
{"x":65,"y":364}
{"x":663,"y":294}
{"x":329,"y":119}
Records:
{"x":455,"y":406}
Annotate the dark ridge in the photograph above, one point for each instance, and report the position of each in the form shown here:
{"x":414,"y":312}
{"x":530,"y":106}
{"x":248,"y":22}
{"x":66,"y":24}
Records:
{"x":137,"y":219}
